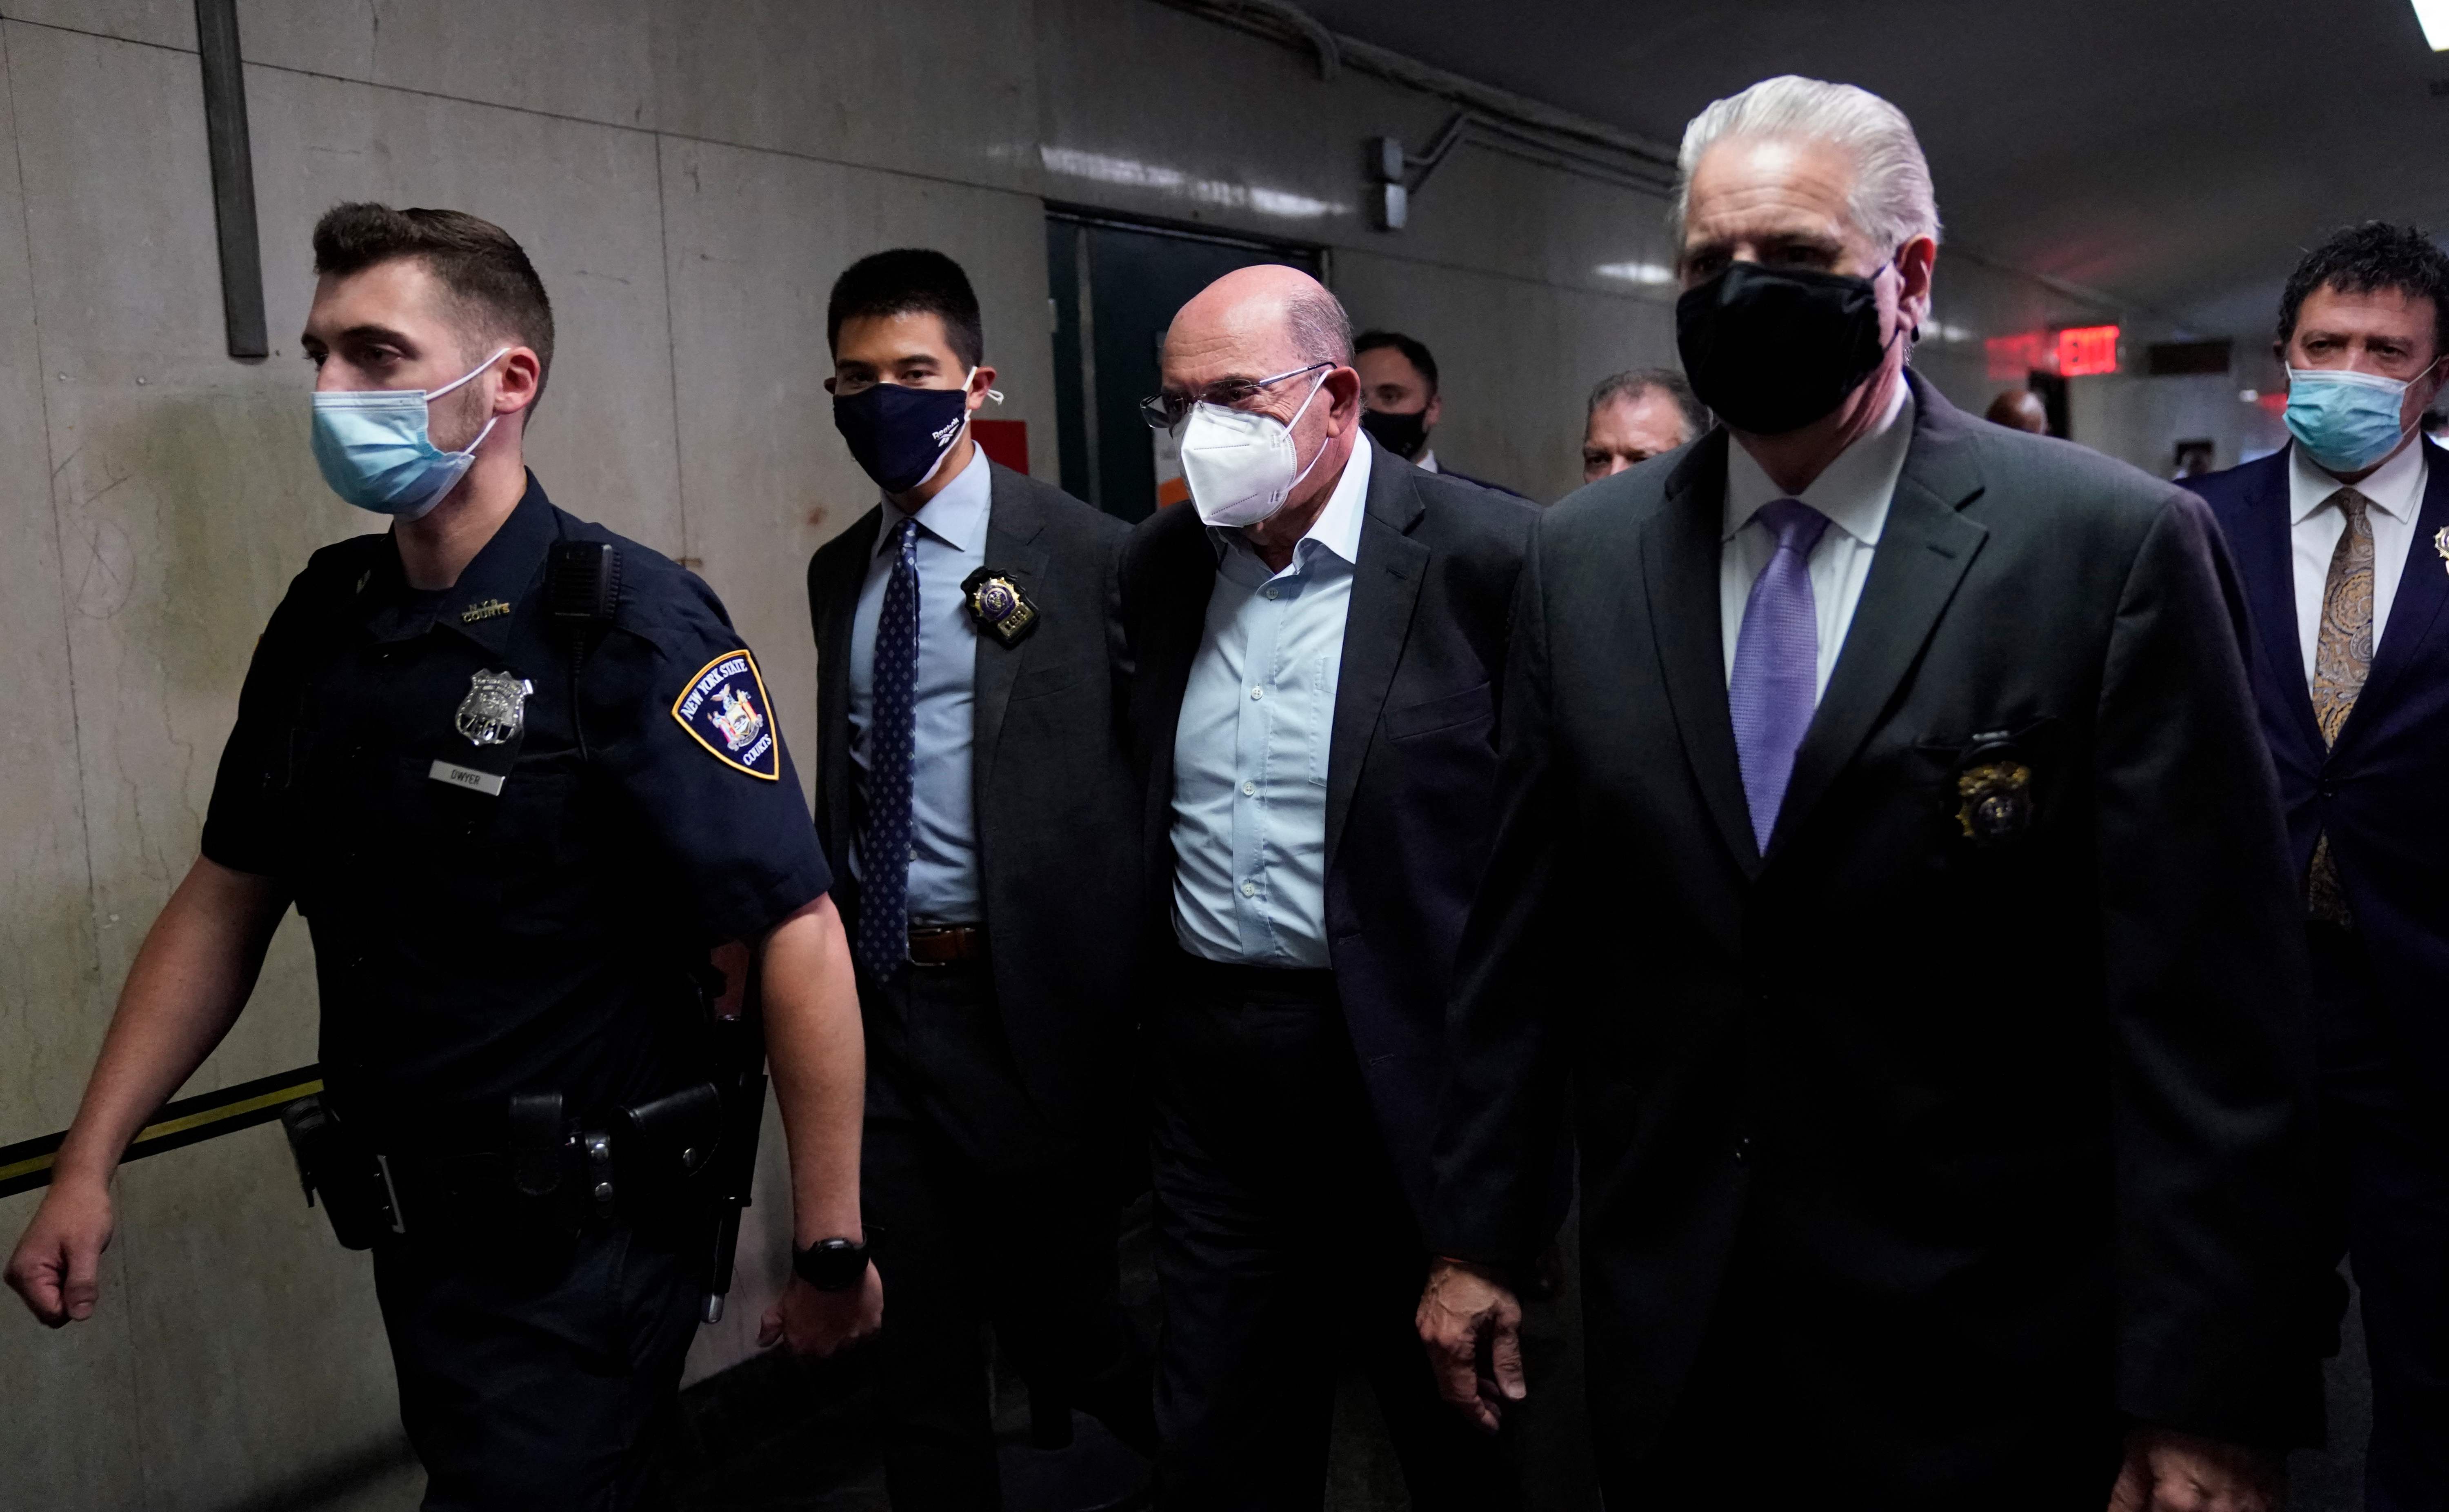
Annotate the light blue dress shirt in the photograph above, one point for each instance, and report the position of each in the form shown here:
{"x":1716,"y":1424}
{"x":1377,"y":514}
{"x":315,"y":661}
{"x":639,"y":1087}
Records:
{"x":943,"y":827}
{"x":1250,"y":747}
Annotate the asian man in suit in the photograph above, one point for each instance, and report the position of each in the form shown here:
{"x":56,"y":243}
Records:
{"x":972,"y":785}
{"x":2343,"y":543}
{"x":1889,"y":877}
{"x":1316,"y":638}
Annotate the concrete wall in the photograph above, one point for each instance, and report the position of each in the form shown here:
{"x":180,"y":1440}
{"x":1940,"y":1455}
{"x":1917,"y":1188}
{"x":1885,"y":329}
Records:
{"x":689,"y":175}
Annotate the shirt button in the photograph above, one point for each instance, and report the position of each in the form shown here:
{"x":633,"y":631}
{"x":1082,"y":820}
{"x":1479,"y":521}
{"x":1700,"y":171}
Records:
{"x":1249,"y":790}
{"x":1249,"y":890}
{"x":1257,"y":693}
{"x":1268,"y":591}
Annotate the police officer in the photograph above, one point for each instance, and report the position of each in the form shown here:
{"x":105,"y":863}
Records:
{"x":972,"y":780}
{"x":521,"y":777}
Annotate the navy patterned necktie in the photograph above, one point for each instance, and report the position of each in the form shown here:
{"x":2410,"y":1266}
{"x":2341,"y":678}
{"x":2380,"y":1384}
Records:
{"x":883,"y":941}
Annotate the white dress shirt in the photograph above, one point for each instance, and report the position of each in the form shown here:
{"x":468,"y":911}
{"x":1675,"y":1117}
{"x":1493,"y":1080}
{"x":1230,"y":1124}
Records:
{"x":943,"y":827}
{"x":1427,"y":460}
{"x":1250,"y":746}
{"x":2396,"y":489}
{"x":1853,"y":492}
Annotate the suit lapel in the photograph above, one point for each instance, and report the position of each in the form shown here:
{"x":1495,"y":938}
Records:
{"x":1013,"y":521}
{"x":1182,"y":573}
{"x":1923,"y":553}
{"x":1679,"y":562}
{"x":2422,"y":589}
{"x":845,"y":574}
{"x":1385,"y":587}
{"x":2266,"y":559}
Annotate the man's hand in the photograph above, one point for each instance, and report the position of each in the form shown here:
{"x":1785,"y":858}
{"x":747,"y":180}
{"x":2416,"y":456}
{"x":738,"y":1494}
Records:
{"x":1472,"y":1327}
{"x":2167,"y":1471}
{"x":819,"y":1323}
{"x":57,"y":1265}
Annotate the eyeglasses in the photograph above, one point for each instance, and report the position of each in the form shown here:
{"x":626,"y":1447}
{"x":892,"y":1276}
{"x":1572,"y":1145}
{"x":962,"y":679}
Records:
{"x":1163,"y":412}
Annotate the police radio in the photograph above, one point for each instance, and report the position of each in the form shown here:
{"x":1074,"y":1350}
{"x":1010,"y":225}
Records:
{"x":582,"y":591}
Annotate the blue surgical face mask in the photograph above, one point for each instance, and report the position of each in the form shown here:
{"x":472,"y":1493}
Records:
{"x":900,"y":435}
{"x":2346,"y":421}
{"x":374,"y":452}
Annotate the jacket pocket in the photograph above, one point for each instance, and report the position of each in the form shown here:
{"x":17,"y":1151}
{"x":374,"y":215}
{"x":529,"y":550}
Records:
{"x":1474,"y":705}
{"x":1038,"y":682}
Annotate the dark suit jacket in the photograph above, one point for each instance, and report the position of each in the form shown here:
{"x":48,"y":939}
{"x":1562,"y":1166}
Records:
{"x":1056,"y":807}
{"x":1444,"y":471}
{"x":1410,"y":761}
{"x":2005,"y":1135}
{"x":2382,"y":793}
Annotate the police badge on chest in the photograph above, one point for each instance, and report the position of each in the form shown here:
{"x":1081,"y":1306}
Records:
{"x":1000,"y":607}
{"x":492,"y":715}
{"x":1993,"y":793}
{"x":494,"y":710}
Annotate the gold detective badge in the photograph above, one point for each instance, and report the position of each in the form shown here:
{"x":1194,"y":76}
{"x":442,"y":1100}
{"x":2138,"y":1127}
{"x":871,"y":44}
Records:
{"x":1997,"y":800}
{"x":999,"y":606}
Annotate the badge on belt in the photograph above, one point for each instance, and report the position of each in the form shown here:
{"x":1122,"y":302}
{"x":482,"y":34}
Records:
{"x":1000,"y":607}
{"x":1995,"y":794}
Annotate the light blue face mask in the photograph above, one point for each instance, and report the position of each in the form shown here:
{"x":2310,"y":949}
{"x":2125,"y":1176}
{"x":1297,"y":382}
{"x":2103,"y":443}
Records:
{"x":2346,"y":421}
{"x":374,"y":452}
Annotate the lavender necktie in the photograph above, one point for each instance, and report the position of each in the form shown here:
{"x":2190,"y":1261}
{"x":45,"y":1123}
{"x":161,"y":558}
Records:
{"x":1777,"y":663}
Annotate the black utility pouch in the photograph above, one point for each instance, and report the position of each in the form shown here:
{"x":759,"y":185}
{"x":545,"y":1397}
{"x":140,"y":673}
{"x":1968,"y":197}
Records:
{"x":663,"y":1146}
{"x":339,"y":1168}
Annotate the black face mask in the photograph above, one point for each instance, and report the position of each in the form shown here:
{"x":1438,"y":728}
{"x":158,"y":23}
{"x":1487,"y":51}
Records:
{"x":1402,"y":434}
{"x":898,"y":434}
{"x":1771,"y":350}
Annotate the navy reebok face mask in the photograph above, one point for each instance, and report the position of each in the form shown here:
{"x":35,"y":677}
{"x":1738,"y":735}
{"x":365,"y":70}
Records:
{"x":900,"y":435}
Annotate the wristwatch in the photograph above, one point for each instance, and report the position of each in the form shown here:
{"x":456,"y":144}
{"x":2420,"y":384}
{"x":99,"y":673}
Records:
{"x":831,"y":1265}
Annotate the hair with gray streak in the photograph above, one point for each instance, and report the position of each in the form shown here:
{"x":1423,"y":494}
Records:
{"x":1632,"y":383}
{"x":1321,"y":331}
{"x":1892,"y":202}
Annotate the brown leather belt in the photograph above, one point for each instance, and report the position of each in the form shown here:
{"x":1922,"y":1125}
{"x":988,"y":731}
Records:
{"x":947,"y":944}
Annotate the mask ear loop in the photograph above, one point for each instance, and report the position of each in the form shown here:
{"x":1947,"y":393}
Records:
{"x":1912,"y":332}
{"x":2417,"y":429}
{"x":431,"y":394}
{"x":1295,"y":420}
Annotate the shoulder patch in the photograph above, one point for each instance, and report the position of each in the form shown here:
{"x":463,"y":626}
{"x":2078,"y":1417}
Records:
{"x":723,"y":709}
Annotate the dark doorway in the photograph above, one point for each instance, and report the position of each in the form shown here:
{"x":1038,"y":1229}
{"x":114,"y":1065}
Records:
{"x":2053,"y":391}
{"x":1117,"y":284}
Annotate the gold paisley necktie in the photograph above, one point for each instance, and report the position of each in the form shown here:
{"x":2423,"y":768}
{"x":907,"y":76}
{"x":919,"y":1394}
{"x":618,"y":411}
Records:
{"x":2342,"y":656}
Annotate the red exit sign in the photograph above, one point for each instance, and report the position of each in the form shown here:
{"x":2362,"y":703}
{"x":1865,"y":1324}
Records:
{"x":2077,"y":351}
{"x":2084,"y":351}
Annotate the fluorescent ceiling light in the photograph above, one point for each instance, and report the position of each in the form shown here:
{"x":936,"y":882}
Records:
{"x":1657,"y":273}
{"x":2434,"y":15}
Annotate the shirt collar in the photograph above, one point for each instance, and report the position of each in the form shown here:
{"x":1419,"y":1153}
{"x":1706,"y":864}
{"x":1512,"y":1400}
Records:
{"x":1852,"y":492}
{"x":1427,"y":460}
{"x":956,"y":515}
{"x":2395,"y":488}
{"x":480,"y":605}
{"x":1336,"y":528}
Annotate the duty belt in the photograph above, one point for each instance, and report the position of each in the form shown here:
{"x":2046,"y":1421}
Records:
{"x":554,"y":1174}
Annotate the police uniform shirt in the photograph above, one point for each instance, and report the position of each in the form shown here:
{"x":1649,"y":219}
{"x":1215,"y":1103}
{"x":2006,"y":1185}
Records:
{"x":471,"y":945}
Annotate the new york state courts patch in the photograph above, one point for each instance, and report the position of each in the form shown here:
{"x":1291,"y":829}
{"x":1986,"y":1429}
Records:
{"x":723,"y":709}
